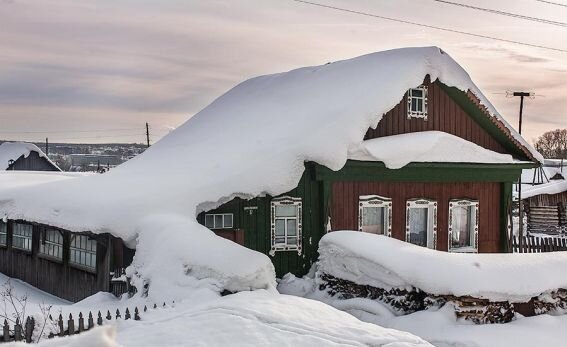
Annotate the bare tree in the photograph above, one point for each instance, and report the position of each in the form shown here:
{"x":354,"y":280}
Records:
{"x":553,"y":144}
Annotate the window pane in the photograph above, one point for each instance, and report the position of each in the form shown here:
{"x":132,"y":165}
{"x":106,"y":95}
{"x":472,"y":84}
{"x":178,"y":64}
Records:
{"x":418,"y":223}
{"x":286,"y":211}
{"x":280,"y":227}
{"x":292,"y":241}
{"x":462,"y":226}
{"x":228,"y":220}
{"x":373,"y":219}
{"x":291,"y":227}
{"x":218,"y":220}
{"x":209,"y":221}
{"x":417,"y":93}
{"x":414,"y":105}
{"x":3,"y":233}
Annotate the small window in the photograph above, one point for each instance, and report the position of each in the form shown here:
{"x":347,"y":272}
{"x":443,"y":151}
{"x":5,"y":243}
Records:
{"x":463,"y":226}
{"x":83,"y":251}
{"x":375,"y":214}
{"x":286,"y":223}
{"x":421,"y":222}
{"x":3,"y":233}
{"x":417,"y":102}
{"x":219,"y":221}
{"x":22,"y":236}
{"x":51,"y":244}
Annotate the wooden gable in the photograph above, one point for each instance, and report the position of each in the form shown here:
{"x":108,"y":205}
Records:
{"x":452,"y":111}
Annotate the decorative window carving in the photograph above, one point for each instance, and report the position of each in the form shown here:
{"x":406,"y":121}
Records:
{"x":463,"y":225}
{"x":3,"y":233}
{"x":219,"y":220}
{"x":51,"y":244}
{"x":421,"y":222}
{"x":286,"y":224}
{"x":83,"y":251}
{"x":375,"y":215}
{"x":22,"y":236}
{"x":417,"y":102}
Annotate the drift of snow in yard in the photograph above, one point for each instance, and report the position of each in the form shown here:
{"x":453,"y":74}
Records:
{"x":14,"y":150}
{"x":434,"y":146}
{"x":98,"y":337}
{"x":387,"y":263}
{"x":253,"y":140}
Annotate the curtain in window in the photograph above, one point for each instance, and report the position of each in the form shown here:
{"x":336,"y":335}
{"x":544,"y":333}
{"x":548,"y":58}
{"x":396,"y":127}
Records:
{"x":418,"y":222}
{"x":373,"y":219}
{"x":462,"y":220}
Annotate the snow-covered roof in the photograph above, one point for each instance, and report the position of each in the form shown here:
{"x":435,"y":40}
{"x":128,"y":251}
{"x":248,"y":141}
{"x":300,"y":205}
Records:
{"x":252,"y":140}
{"x":14,"y":150}
{"x":425,"y":147}
{"x":385,"y":262}
{"x":538,"y":181}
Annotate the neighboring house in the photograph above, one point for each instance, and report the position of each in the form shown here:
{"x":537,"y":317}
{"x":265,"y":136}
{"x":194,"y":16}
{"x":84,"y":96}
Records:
{"x":544,"y":196}
{"x":24,"y":156}
{"x":400,"y":143}
{"x":451,"y":190}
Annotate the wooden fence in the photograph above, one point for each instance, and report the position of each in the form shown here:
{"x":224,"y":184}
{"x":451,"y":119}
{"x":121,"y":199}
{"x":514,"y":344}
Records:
{"x":538,"y":244}
{"x":25,"y":332}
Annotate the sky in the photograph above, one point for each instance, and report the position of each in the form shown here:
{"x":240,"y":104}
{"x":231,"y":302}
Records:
{"x":97,"y":71}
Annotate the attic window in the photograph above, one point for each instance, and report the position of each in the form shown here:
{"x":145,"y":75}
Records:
{"x":417,"y":102}
{"x":286,"y":224}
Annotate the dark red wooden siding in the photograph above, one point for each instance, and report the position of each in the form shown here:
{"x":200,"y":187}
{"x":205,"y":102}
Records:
{"x":443,"y":115}
{"x":344,"y":207}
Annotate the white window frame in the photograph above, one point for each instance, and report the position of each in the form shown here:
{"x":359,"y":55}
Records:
{"x":49,"y":247}
{"x":75,"y":250}
{"x":27,"y":239}
{"x":224,"y":218}
{"x":410,"y":97}
{"x":286,"y":200}
{"x":431,"y":206}
{"x":3,"y":233}
{"x":378,"y":202}
{"x":474,"y":225}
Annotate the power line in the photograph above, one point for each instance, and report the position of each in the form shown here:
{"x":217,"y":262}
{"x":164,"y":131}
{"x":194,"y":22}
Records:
{"x":430,"y":26}
{"x":504,"y":13}
{"x":552,"y":3}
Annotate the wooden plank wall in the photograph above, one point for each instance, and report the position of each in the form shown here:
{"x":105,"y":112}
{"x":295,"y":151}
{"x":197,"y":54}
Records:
{"x":443,"y":115}
{"x":344,"y":206}
{"x":33,"y":162}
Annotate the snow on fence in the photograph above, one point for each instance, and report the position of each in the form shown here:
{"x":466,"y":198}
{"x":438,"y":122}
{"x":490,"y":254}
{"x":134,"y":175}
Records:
{"x":539,"y":244}
{"x":66,"y":327}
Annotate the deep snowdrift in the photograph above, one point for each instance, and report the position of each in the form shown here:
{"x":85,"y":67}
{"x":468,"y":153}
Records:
{"x":252,"y":140}
{"x":14,"y":150}
{"x":387,"y":263}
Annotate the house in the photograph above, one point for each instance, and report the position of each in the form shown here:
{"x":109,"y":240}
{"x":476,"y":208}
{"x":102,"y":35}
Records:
{"x":544,"y":197}
{"x":24,"y":156}
{"x":400,"y":143}
{"x":436,"y":171}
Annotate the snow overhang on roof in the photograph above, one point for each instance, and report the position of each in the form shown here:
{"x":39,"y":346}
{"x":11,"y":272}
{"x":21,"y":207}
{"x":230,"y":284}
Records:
{"x":14,"y":150}
{"x":252,"y":140}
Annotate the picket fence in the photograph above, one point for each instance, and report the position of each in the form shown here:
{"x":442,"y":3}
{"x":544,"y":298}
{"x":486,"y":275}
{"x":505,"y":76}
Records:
{"x":538,"y":244}
{"x":24,"y":333}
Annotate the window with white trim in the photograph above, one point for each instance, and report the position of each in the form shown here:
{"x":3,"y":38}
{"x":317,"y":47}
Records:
{"x":286,"y":224}
{"x":421,"y":222}
{"x":83,"y":251}
{"x":463,"y":225}
{"x":51,"y":244}
{"x":219,"y":220}
{"x":3,"y":233}
{"x":375,"y":214}
{"x":22,"y":236}
{"x":417,"y":102}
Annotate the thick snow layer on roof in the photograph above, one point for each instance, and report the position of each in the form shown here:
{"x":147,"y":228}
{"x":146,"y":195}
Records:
{"x":551,"y":187}
{"x":389,"y":263}
{"x":14,"y":150}
{"x":16,"y":179}
{"x":252,"y":140}
{"x":425,"y":147}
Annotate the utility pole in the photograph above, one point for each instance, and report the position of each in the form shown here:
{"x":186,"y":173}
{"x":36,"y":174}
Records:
{"x":522,"y":95}
{"x":148,"y":134}
{"x":47,"y":146}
